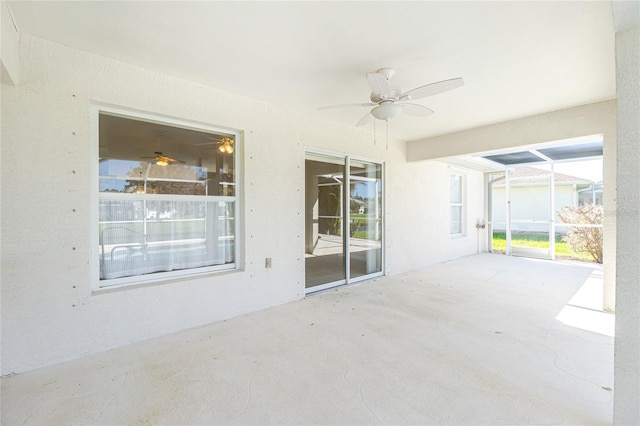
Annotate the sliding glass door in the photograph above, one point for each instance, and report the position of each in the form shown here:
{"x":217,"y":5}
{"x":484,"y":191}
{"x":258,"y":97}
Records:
{"x":365,"y":218}
{"x":324,"y":239}
{"x":343,"y":237}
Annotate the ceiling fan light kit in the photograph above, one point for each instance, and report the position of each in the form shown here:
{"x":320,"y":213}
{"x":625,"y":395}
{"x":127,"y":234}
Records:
{"x":388,"y":102}
{"x":386,"y":110}
{"x":162,"y":161}
{"x":226,"y":146}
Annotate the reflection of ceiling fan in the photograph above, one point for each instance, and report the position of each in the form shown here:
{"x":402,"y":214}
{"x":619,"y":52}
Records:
{"x":388,"y":101}
{"x":162,"y":160}
{"x":225,"y":145}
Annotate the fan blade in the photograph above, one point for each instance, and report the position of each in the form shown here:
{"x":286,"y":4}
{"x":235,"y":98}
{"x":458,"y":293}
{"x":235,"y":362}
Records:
{"x":364,"y":120}
{"x":346,"y":106}
{"x":379,"y":84}
{"x":432,"y":89}
{"x":173,"y":160}
{"x":415,"y":109}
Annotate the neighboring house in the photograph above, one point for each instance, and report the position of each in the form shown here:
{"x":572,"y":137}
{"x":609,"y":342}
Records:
{"x":358,"y":206}
{"x":530,"y":197}
{"x":591,"y":195}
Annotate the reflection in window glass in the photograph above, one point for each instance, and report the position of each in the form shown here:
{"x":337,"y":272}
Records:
{"x":167,"y":199}
{"x":456,"y":188}
{"x":365,"y":218}
{"x":456,"y":223}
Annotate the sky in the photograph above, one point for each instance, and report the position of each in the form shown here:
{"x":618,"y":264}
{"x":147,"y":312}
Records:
{"x":588,"y":169}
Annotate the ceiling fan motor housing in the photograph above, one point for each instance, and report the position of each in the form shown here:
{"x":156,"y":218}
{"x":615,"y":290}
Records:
{"x":379,"y":97}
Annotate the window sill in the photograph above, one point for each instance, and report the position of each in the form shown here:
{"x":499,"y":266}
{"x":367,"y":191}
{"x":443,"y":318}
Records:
{"x":130,"y":283}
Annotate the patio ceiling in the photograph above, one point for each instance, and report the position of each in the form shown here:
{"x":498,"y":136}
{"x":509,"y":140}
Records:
{"x":517,"y":58}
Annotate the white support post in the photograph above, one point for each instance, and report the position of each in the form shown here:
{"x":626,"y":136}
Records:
{"x":345,"y":200}
{"x":552,"y":212}
{"x":507,"y":184}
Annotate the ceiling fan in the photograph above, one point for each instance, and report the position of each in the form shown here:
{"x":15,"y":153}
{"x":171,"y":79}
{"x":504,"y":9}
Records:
{"x":162,"y":160}
{"x":389,"y":101}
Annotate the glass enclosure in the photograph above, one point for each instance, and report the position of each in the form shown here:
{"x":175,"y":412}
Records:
{"x":548,"y":210}
{"x":529,"y":210}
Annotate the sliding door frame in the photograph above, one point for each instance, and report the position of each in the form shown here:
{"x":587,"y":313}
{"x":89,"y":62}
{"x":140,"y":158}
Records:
{"x":346,"y":219}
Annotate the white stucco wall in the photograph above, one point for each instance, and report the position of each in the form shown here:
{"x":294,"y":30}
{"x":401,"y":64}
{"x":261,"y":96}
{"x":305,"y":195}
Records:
{"x":627,"y":344}
{"x":49,"y":313}
{"x":418,"y":214}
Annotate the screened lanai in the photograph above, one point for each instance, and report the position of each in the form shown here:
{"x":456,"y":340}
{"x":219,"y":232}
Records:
{"x":542,"y":201}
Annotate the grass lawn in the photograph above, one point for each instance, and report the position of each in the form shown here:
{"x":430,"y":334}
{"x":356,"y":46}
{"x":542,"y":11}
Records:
{"x":361,"y":221}
{"x":563,"y":250}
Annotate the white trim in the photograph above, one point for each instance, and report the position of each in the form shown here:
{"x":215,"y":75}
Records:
{"x":552,"y":211}
{"x":346,"y":220}
{"x":163,"y":119}
{"x":94,"y":138}
{"x":159,"y":277}
{"x":165,"y":197}
{"x":459,"y":170}
{"x":334,"y":154}
{"x":340,"y":283}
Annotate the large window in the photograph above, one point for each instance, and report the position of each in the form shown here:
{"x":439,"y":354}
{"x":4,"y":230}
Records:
{"x":167,"y":199}
{"x":456,"y":205}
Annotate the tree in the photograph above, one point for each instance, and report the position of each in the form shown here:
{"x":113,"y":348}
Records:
{"x":586,"y":239}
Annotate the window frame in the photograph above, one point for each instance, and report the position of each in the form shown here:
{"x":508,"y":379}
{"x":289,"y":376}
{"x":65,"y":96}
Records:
{"x":461,"y":205}
{"x":135,"y":281}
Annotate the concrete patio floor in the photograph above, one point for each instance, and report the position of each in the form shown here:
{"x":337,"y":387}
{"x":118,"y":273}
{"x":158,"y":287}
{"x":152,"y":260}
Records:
{"x":471,"y":341}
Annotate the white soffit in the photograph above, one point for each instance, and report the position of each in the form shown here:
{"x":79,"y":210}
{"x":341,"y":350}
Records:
{"x":517,"y":58}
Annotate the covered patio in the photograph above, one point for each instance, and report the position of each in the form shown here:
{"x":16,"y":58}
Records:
{"x":485,"y":339}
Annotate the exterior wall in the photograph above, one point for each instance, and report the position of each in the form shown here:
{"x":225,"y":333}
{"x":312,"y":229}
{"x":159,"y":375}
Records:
{"x":627,"y":345}
{"x":49,"y":312}
{"x":419,"y":208}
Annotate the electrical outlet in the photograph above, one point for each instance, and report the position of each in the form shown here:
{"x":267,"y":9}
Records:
{"x":267,"y":262}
